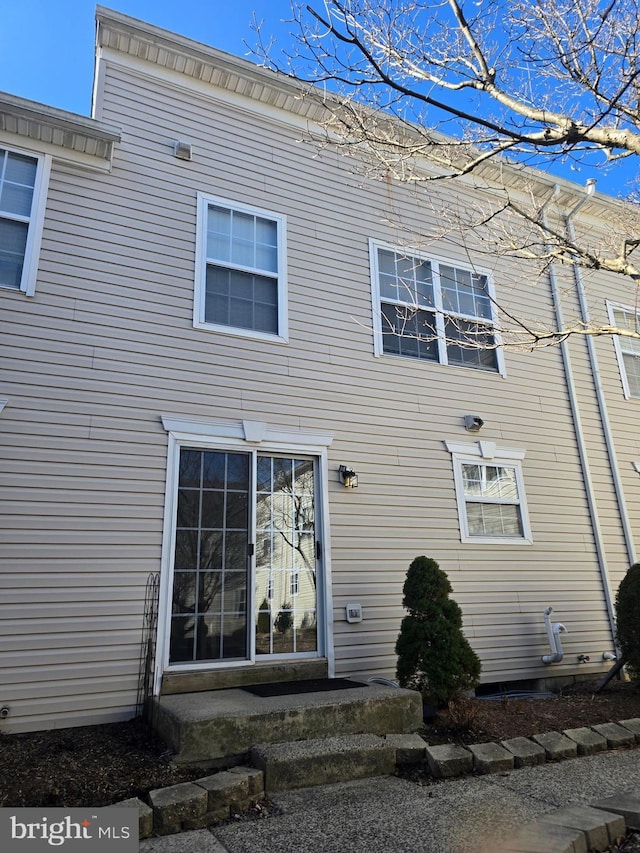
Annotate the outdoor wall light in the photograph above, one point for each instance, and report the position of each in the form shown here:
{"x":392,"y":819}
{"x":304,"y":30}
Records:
{"x":348,"y":477}
{"x":473,"y":423}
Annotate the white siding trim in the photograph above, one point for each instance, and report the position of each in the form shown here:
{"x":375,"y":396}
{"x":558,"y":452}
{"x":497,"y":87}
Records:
{"x":97,"y":94}
{"x":34,"y":238}
{"x":196,"y":429}
{"x":166,"y":563}
{"x":481,"y":449}
{"x":325,"y":593}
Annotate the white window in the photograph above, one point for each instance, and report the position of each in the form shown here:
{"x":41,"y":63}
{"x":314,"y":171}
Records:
{"x":627,"y":349}
{"x":490,"y":493}
{"x":294,"y":582}
{"x":241,"y":275}
{"x":432,"y":310}
{"x":23,"y":180}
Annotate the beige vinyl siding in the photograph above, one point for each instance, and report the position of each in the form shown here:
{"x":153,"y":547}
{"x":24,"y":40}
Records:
{"x":109,"y":345}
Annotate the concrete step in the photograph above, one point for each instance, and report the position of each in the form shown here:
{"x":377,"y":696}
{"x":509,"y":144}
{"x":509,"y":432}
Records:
{"x":321,"y":761}
{"x":219,"y":725}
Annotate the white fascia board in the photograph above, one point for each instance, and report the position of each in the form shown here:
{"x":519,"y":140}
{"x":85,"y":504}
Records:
{"x":61,"y":156}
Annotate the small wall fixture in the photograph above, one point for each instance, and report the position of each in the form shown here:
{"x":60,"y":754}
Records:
{"x":354,"y":613}
{"x":348,"y":477}
{"x":183,"y":150}
{"x":473,"y":423}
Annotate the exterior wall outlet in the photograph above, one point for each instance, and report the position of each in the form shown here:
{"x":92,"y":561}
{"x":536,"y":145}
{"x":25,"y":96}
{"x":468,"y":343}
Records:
{"x":354,"y":613}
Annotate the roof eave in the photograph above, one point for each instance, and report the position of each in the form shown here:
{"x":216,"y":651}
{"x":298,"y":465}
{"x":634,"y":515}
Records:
{"x":62,"y":132}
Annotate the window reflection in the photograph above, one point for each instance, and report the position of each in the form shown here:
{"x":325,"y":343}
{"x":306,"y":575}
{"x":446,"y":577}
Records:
{"x":285,"y":589}
{"x":210,"y":567}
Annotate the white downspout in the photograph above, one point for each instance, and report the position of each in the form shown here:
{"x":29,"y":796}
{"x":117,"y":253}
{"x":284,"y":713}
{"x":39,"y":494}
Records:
{"x":602,"y":405}
{"x":604,"y":418}
{"x":580,"y":439}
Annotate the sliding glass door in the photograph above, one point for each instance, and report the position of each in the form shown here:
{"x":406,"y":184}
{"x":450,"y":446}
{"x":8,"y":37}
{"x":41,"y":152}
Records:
{"x":245,"y":557}
{"x":285,"y":577}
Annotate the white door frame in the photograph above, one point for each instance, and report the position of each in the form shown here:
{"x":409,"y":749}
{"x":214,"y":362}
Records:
{"x":241,"y":436}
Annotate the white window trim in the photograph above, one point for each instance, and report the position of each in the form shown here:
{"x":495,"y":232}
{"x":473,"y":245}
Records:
{"x":439,"y":313}
{"x":35,"y":220}
{"x":491,"y":454}
{"x":611,"y":307}
{"x":244,"y":436}
{"x":203,"y":202}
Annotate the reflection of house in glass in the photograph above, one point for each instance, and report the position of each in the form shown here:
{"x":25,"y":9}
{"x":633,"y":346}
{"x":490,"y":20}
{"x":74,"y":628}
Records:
{"x":210,"y":570}
{"x":285,"y":589}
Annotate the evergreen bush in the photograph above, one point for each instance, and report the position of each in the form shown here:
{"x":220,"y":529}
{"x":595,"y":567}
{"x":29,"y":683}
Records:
{"x":284,"y":619}
{"x":628,"y":620}
{"x":434,"y":656}
{"x":263,"y":622}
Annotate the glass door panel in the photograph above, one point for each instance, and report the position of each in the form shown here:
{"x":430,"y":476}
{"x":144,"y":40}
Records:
{"x":209,"y":607}
{"x":285,"y":579}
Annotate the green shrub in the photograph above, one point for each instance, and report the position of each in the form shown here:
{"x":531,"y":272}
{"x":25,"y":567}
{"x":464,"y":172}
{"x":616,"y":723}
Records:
{"x":284,"y":619}
{"x":628,"y":620}
{"x":263,"y":622}
{"x":434,"y":656}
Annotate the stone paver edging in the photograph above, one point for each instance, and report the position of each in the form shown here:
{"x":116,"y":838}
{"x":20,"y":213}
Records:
{"x":203,"y":802}
{"x":578,"y":829}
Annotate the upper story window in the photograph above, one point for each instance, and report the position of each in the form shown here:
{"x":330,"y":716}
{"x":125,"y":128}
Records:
{"x":241,"y":276}
{"x":23,"y":179}
{"x":627,"y":349}
{"x":431,"y":310}
{"x":490,"y":494}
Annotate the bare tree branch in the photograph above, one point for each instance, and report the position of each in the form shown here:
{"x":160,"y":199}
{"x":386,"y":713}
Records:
{"x":534,"y":80}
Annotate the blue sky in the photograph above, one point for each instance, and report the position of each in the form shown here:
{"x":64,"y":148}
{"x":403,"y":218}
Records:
{"x":47,"y":46}
{"x":47,"y":49}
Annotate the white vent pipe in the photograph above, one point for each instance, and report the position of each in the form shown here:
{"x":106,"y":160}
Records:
{"x":553,"y":635}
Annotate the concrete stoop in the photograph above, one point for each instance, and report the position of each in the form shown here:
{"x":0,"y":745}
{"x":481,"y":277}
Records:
{"x":216,"y":725}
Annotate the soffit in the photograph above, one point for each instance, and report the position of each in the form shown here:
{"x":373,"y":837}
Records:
{"x":206,"y":64}
{"x":58,"y":128}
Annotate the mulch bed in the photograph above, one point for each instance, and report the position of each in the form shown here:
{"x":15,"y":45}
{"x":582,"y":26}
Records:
{"x":100,"y":765}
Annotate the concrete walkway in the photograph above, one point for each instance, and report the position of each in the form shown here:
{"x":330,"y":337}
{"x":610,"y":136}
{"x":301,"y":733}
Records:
{"x":390,"y":815}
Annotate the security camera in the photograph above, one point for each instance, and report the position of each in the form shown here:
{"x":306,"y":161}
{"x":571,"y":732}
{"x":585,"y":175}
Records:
{"x":473,"y":423}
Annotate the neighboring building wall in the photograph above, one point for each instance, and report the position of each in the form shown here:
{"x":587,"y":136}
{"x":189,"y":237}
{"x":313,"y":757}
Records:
{"x":107,"y":346}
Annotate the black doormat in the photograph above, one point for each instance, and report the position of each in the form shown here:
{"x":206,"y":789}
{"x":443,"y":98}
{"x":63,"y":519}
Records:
{"x":310,"y":685}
